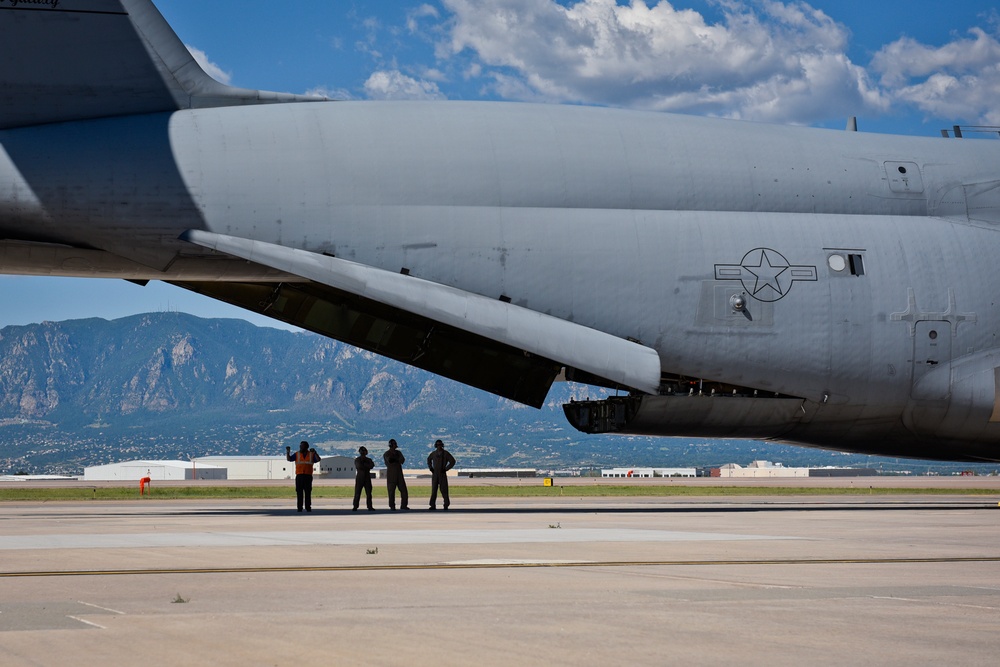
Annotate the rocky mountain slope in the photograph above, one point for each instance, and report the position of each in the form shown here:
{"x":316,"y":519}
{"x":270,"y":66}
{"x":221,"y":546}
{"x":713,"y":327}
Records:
{"x":171,"y":385}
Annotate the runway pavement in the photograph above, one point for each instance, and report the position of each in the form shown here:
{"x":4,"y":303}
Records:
{"x":515,"y":581}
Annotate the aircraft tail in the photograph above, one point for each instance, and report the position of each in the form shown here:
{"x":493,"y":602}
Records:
{"x":79,"y":59}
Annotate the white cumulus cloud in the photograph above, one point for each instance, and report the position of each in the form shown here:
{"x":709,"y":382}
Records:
{"x":959,"y":80}
{"x":331,"y":93}
{"x":423,"y":11}
{"x":210,"y":68}
{"x":394,"y":85}
{"x":766,"y":60}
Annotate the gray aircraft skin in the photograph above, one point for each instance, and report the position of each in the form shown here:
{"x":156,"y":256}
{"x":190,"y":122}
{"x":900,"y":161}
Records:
{"x":828,"y":288}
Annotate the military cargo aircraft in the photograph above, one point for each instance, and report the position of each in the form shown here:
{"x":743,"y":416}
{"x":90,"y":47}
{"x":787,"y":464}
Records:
{"x":828,"y":288}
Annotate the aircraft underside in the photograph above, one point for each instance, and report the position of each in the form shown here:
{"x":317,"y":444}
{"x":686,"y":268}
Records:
{"x":778,"y":418}
{"x":727,"y":279}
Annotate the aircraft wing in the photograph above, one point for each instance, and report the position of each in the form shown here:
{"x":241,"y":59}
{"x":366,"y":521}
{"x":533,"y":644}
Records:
{"x":492,"y":344}
{"x":122,"y":71}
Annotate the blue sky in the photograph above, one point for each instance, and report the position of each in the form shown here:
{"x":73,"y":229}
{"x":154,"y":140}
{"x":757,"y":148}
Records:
{"x":900,"y":67}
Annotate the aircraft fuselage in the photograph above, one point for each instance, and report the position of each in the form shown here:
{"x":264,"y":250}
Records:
{"x":830,"y":288}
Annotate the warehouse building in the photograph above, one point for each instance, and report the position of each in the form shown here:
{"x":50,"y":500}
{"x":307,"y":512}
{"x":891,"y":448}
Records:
{"x":648,"y":472}
{"x":758,"y":469}
{"x":493,"y":472}
{"x":276,"y":467}
{"x":218,"y":468}
{"x":133,"y":471}
{"x":767,"y":469}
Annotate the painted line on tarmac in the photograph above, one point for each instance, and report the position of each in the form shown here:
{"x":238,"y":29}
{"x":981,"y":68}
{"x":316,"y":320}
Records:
{"x":363,"y":537}
{"x":489,"y":565}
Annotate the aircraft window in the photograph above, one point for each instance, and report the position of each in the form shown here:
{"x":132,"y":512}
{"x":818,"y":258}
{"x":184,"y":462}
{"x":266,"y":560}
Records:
{"x":901,"y":169}
{"x":933,"y":334}
{"x":857,"y":265}
{"x":837,"y":262}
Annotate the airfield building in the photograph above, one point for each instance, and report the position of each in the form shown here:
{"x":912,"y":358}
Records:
{"x":133,"y":471}
{"x":633,"y":473}
{"x":493,"y":472}
{"x":277,"y":467}
{"x":766,"y":469}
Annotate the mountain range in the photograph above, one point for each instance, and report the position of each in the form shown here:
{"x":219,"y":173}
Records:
{"x":171,"y":385}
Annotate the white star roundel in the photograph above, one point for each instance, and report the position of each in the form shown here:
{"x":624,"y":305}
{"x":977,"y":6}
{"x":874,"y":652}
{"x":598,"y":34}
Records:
{"x":765,"y":273}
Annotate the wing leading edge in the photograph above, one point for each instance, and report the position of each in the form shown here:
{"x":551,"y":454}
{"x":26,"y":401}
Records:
{"x":494,"y":345}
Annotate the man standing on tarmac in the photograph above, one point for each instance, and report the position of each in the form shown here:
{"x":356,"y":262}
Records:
{"x":440,"y":461}
{"x":363,"y":479}
{"x":394,"y":461}
{"x":304,"y":460}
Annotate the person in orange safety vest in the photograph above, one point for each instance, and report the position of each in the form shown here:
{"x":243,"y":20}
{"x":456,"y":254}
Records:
{"x":304,"y":460}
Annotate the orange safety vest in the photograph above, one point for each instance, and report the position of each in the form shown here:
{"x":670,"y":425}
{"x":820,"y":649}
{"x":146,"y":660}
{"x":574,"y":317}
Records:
{"x":303,"y":463}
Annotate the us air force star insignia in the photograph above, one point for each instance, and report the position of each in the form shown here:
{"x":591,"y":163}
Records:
{"x":766,"y":275}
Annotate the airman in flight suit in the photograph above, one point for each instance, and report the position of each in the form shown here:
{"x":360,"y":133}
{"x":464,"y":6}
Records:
{"x":363,"y":479}
{"x":440,"y":461}
{"x":394,"y":461}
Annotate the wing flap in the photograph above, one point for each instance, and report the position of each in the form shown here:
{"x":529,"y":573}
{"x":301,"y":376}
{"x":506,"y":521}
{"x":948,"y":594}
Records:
{"x":619,"y":361}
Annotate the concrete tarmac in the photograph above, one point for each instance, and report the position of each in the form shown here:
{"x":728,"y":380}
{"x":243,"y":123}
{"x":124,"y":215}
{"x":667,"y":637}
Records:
{"x":900,"y":580}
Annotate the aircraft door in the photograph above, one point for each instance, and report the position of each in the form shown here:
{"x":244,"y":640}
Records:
{"x":931,"y":352}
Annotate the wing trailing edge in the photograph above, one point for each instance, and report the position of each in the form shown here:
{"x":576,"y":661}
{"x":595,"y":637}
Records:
{"x":522,"y":333}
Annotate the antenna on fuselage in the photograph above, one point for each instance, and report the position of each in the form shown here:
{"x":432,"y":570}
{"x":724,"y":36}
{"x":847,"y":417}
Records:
{"x":957,"y":131}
